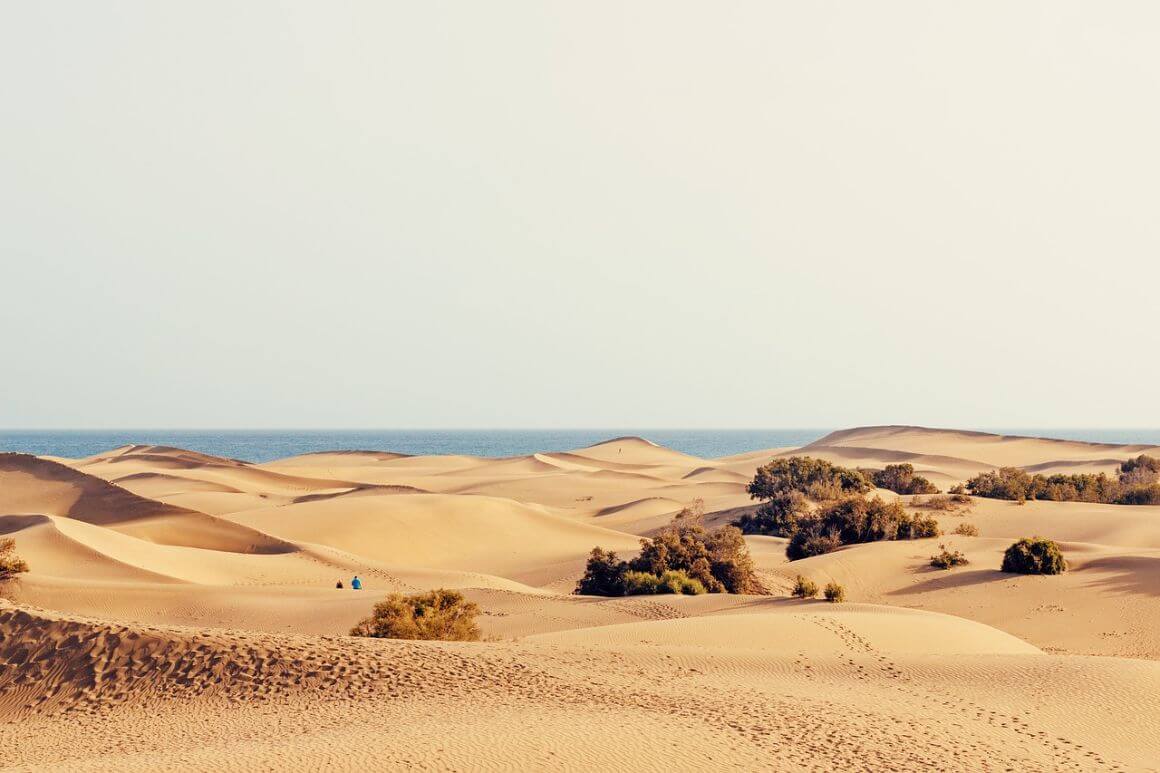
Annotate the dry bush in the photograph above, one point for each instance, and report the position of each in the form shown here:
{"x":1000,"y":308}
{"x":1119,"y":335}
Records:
{"x":10,"y":563}
{"x":921,"y":527}
{"x":945,"y":559}
{"x":804,"y":588}
{"x":439,"y":614}
{"x":835,"y":593}
{"x":1034,"y":555}
{"x":966,"y":530}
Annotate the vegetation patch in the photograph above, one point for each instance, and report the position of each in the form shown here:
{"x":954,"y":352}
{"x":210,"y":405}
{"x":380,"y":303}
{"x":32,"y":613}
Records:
{"x":855,"y":520}
{"x":966,"y":530}
{"x":439,"y":614}
{"x":834,"y":593}
{"x":947,"y":559}
{"x":1034,"y":555}
{"x":1137,"y":483}
{"x":900,"y":479}
{"x":684,"y":557}
{"x":10,"y":563}
{"x":804,"y":588}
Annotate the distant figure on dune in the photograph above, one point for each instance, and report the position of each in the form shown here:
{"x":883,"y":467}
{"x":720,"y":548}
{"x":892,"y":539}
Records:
{"x":338,"y":585}
{"x":356,"y":583}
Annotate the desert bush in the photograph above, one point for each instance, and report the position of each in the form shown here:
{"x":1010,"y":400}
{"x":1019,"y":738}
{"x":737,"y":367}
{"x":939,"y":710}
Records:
{"x":439,"y":614}
{"x":10,"y":563}
{"x":604,"y":574}
{"x":815,"y":478}
{"x":1142,"y":469}
{"x":834,"y":593}
{"x":921,"y":527}
{"x":958,"y":488}
{"x":900,"y":479}
{"x":717,"y":561}
{"x":945,"y":559}
{"x":676,"y":582}
{"x":966,"y":530}
{"x":1034,"y":555}
{"x":1145,"y":494}
{"x":1005,"y":483}
{"x":778,"y":517}
{"x":960,"y":498}
{"x":810,"y":541}
{"x":804,"y":588}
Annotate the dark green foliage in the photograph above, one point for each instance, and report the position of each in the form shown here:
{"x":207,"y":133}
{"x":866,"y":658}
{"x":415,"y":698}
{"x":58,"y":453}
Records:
{"x":604,"y":575}
{"x":1005,"y":483}
{"x":804,"y":588}
{"x":814,"y":478}
{"x":835,"y":593}
{"x":1034,"y":556}
{"x":945,"y":559}
{"x":900,"y":479}
{"x":10,"y":563}
{"x":717,"y":561}
{"x":439,"y":614}
{"x":854,"y":520}
{"x":778,"y":517}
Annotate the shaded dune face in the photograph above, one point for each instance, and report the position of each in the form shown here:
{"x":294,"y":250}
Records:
{"x":181,"y":611}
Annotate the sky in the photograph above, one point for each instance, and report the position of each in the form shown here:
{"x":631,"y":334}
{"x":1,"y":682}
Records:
{"x":600,"y":214}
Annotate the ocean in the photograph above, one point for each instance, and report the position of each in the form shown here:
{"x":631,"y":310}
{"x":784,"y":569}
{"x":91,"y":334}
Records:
{"x":266,"y":445}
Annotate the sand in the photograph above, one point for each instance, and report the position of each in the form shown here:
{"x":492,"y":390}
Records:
{"x":180,"y":613}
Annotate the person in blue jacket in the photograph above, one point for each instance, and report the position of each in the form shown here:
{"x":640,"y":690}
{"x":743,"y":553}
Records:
{"x":356,"y":583}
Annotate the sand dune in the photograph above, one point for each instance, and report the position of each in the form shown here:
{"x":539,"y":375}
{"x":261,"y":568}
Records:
{"x":181,"y":612}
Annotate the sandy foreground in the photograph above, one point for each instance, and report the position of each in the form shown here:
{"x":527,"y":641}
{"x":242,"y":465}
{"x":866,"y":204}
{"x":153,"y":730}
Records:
{"x":181,"y":614}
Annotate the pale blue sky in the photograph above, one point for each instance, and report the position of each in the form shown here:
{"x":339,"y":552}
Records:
{"x":537,"y":214}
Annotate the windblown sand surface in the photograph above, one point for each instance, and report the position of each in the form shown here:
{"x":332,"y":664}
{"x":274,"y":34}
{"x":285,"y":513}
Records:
{"x":181,"y":613}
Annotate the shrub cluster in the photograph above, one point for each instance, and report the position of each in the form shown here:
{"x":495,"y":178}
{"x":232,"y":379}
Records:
{"x":854,"y":520}
{"x":946,"y":559}
{"x":1034,"y":555}
{"x":778,"y":516}
{"x":834,"y":593}
{"x":10,"y":563}
{"x":804,"y":588}
{"x":966,"y":530}
{"x":942,"y":502}
{"x":814,"y":478}
{"x":684,"y":557}
{"x":438,"y":614}
{"x":900,"y":479}
{"x":1138,"y":483}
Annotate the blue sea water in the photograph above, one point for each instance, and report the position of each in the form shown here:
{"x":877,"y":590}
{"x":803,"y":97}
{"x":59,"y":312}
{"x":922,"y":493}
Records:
{"x":266,"y":445}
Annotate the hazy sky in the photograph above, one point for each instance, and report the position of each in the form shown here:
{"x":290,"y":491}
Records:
{"x":537,"y":214}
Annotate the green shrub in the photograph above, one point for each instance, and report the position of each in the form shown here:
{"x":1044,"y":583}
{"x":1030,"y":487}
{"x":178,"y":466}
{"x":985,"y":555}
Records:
{"x":945,"y":559}
{"x":900,"y":479}
{"x":1005,"y":483}
{"x":439,"y":614}
{"x":922,"y":527}
{"x":814,"y":478}
{"x":851,"y":521}
{"x":10,"y":563}
{"x":778,"y":517}
{"x":604,"y":575}
{"x":966,"y":530}
{"x":676,"y":582}
{"x":1144,"y":494}
{"x":810,"y":541}
{"x":804,"y":588}
{"x":1034,"y":556}
{"x":835,"y":593}
{"x":717,"y":561}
